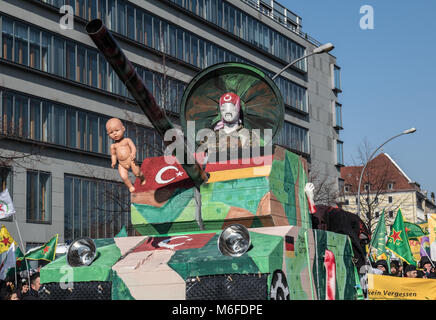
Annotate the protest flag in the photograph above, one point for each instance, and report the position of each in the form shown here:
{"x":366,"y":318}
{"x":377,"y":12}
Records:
{"x":45,"y":252}
{"x":398,"y":242}
{"x":378,"y":241}
{"x":413,"y":231}
{"x":8,"y":262}
{"x":6,"y":240}
{"x":6,"y":205}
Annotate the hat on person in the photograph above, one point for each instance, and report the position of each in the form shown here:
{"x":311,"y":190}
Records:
{"x":410,"y":267}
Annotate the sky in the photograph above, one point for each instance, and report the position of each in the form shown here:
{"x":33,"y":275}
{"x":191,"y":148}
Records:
{"x":388,"y":77}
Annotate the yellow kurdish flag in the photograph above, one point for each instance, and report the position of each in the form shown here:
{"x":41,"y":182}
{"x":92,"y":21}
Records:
{"x":432,"y":232}
{"x":396,"y":288}
{"x":5,"y":240}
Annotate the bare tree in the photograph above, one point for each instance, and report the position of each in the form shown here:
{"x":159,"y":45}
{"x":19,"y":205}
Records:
{"x":326,"y":189}
{"x":374,"y":193}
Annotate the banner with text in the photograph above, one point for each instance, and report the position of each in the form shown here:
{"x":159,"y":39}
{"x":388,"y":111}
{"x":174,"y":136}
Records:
{"x":396,"y":288}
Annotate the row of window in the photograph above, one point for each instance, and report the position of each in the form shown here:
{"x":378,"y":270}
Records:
{"x":92,"y":207}
{"x":390,"y":199}
{"x":244,"y":26}
{"x":296,"y":137}
{"x":141,"y":26}
{"x":154,"y":32}
{"x":44,"y":51}
{"x":46,"y":121}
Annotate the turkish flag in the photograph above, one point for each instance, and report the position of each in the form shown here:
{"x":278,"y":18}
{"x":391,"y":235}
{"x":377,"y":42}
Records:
{"x":180,"y":242}
{"x":159,"y":173}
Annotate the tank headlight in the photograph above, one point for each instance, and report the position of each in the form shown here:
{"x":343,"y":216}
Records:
{"x":81,"y":252}
{"x":234,"y":240}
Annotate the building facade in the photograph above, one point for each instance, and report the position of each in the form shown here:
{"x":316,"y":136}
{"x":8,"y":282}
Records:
{"x":57,"y":92}
{"x":385,"y":187}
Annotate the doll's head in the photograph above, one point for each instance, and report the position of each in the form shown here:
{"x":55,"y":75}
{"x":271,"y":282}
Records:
{"x":230,"y":108}
{"x":115,"y":129}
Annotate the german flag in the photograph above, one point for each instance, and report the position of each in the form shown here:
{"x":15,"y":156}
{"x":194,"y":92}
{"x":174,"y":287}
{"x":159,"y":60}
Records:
{"x":289,"y":247}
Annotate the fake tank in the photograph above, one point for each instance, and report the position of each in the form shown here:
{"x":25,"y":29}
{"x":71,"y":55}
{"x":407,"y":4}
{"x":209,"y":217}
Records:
{"x":239,"y":228}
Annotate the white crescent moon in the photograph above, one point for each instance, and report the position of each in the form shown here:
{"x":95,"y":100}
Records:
{"x":158,"y":177}
{"x":164,"y":243}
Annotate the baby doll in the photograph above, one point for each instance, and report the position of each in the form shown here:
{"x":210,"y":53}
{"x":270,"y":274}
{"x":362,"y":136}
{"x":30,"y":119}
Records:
{"x":123,"y":150}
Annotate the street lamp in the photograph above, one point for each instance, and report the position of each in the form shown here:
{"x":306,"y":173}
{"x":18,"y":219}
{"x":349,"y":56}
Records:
{"x":408,"y":131}
{"x":321,"y":49}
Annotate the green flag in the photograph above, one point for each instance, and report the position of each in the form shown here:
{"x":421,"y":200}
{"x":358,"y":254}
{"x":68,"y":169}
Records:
{"x":398,"y":242}
{"x":413,"y":231}
{"x":378,"y":241}
{"x":45,"y":252}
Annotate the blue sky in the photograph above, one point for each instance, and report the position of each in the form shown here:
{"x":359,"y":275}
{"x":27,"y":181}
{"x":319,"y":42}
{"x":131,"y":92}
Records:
{"x":388,"y":77}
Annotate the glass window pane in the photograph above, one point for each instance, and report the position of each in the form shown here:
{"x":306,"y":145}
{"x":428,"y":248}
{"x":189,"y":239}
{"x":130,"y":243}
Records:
{"x":59,"y":56}
{"x":71,"y":128}
{"x":130,"y":22}
{"x":7,"y":37}
{"x":21,"y":43}
{"x":102,"y":73}
{"x":93,"y":133}
{"x":85,"y":208}
{"x":68,"y":208}
{"x":92,"y":67}
{"x":148,"y":34}
{"x":81,"y":66}
{"x":77,"y":201}
{"x":70,"y":61}
{"x":59,"y":125}
{"x":35,"y":119}
{"x":21,"y":116}
{"x":34,"y":49}
{"x":31,"y":196}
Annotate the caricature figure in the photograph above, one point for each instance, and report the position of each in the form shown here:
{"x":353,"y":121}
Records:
{"x":123,"y":150}
{"x":230,"y":125}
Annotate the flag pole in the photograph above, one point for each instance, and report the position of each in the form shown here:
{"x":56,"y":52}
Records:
{"x":22,"y":245}
{"x":420,"y":246}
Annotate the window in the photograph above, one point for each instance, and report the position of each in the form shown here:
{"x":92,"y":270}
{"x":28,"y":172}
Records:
{"x":390,"y":199}
{"x":34,"y":49}
{"x":347,"y":202}
{"x":7,"y":38}
{"x":367,"y":187}
{"x":337,"y":78}
{"x":340,"y":152}
{"x":6,"y":179}
{"x":377,"y":214}
{"x":347,"y":188}
{"x":38,"y":201}
{"x":295,"y":137}
{"x":338,"y":113}
{"x":21,"y":43}
{"x":391,"y":214}
{"x":390,"y":186}
{"x":94,"y":208}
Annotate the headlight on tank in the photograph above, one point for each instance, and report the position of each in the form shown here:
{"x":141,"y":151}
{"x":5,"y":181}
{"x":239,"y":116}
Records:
{"x":234,"y":240}
{"x":81,"y":252}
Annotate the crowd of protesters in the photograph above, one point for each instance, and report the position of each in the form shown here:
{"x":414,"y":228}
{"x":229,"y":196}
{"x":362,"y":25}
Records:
{"x":425,"y":270}
{"x":16,"y":287}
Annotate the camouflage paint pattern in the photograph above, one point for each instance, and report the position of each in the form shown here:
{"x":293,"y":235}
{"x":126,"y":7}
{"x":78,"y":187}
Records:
{"x":274,"y":196}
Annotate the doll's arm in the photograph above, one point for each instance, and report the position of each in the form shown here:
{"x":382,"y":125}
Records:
{"x":113,"y":156}
{"x":308,"y":189}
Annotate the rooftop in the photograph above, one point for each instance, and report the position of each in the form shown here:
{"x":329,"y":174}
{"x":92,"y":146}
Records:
{"x":283,"y":16}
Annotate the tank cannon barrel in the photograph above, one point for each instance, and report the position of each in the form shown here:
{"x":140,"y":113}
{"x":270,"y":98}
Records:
{"x":115,"y":56}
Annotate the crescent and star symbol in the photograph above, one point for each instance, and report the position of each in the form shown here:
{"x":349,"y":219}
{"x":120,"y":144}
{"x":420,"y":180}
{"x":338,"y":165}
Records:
{"x":165,"y":243}
{"x":159,"y":179}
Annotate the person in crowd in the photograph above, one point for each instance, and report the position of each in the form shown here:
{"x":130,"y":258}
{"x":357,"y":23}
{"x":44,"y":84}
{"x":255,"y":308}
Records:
{"x":395,"y":268}
{"x":383,"y":266}
{"x":6,"y":286}
{"x":411,"y":271}
{"x":427,"y":268}
{"x":12,"y":295}
{"x":24,"y":287}
{"x":35,"y":284}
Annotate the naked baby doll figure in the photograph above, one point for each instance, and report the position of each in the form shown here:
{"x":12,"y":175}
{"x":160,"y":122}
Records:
{"x":123,"y":150}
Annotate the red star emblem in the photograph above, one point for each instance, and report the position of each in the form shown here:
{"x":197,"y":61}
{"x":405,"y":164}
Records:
{"x":395,"y":236}
{"x":406,"y":229}
{"x":6,"y":241}
{"x":46,"y":249}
